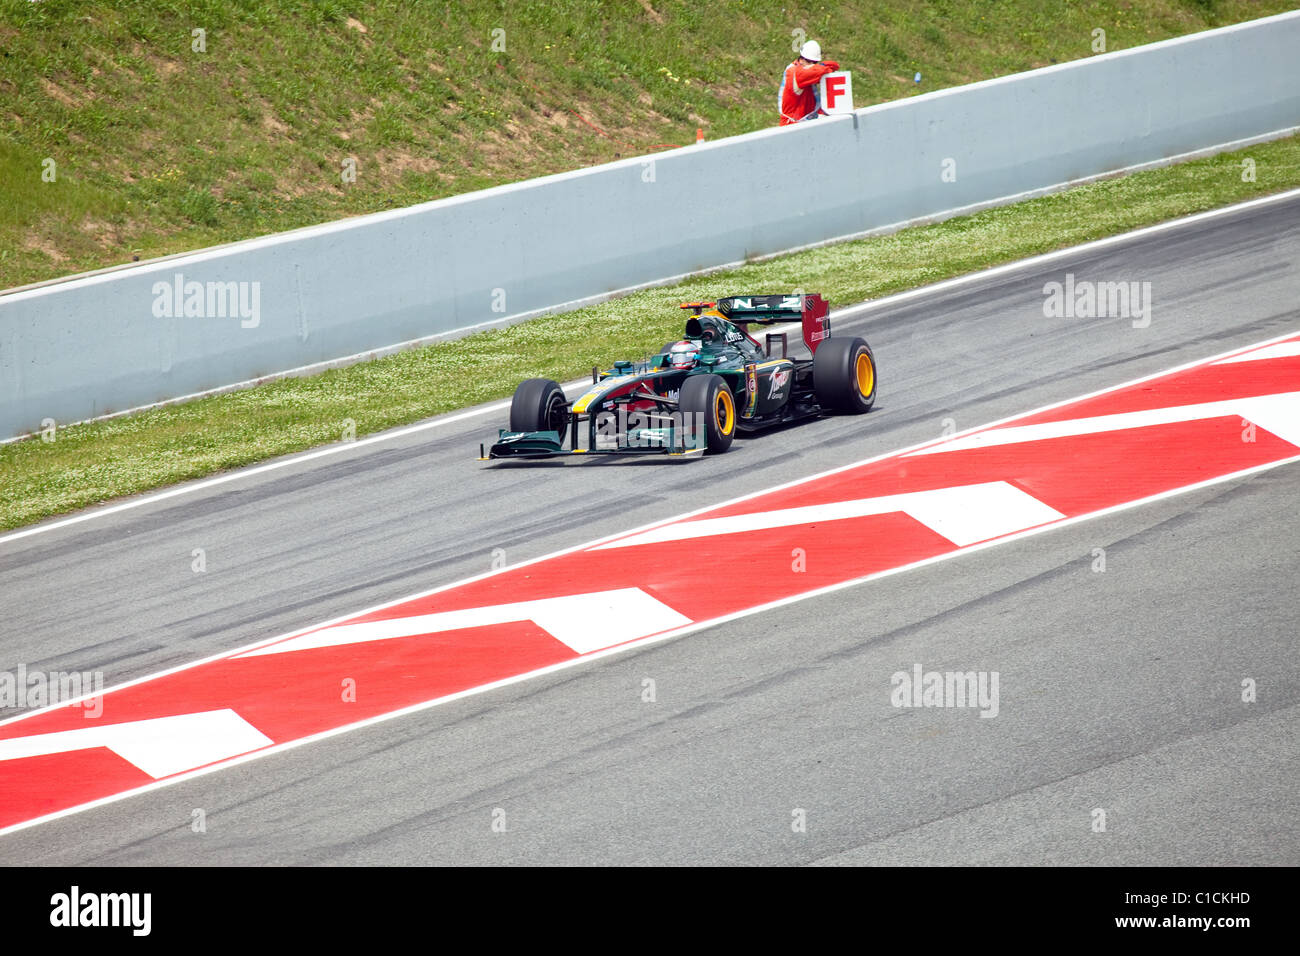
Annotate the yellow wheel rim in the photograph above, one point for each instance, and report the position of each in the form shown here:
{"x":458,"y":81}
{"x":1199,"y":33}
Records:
{"x":866,"y":375}
{"x":724,"y":412}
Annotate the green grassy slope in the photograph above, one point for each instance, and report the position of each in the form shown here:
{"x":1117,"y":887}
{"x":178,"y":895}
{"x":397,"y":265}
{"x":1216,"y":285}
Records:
{"x":160,"y":147}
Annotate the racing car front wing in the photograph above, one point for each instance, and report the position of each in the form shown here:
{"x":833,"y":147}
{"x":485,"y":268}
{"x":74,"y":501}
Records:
{"x":670,"y":440}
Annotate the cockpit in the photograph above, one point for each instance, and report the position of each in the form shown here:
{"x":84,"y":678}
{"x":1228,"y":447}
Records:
{"x":715,"y":333}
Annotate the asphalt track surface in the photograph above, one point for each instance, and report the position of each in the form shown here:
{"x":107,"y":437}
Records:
{"x":1120,"y":690}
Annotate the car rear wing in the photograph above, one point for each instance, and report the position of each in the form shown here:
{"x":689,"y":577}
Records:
{"x":811,"y":310}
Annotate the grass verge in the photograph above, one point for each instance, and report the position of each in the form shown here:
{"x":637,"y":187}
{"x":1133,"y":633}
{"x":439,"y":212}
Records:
{"x":86,"y":464}
{"x":148,"y":127}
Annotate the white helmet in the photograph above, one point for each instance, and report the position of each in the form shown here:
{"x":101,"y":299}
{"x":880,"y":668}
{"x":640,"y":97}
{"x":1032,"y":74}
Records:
{"x":812,"y":50}
{"x":684,"y":354}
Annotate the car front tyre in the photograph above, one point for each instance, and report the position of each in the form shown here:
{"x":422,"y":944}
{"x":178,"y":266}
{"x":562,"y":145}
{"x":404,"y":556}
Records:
{"x":707,"y":399}
{"x":539,"y":405}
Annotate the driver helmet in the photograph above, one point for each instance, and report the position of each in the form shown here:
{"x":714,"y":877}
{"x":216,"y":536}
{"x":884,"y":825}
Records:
{"x":684,"y":354}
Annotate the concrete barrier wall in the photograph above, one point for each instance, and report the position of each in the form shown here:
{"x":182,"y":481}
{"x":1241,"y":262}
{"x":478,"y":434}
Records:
{"x":103,"y":343}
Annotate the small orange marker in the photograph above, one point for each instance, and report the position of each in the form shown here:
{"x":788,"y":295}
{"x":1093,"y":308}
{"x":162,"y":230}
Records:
{"x":699,"y":134}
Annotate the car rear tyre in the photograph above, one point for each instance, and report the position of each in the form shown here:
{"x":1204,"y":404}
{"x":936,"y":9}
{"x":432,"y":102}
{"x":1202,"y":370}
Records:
{"x":707,"y":399}
{"x":539,"y":406}
{"x":844,"y":375}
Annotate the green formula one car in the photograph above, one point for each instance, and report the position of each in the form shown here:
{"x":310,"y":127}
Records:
{"x":698,"y":393}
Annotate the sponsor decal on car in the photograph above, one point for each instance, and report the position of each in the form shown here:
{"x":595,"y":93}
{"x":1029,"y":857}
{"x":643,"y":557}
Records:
{"x":780,"y":378}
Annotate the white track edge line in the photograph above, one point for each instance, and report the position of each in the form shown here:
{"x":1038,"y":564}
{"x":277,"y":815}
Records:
{"x":458,"y":416}
{"x":633,"y":645}
{"x":848,"y":311}
{"x":586,"y":545}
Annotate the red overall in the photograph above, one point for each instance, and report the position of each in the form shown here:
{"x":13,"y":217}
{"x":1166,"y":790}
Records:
{"x":799,"y":89}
